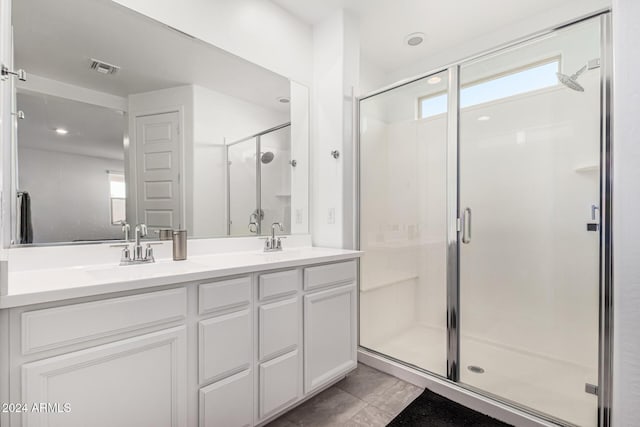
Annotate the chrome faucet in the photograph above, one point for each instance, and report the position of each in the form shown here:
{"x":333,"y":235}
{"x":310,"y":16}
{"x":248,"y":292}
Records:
{"x":274,"y":243}
{"x":140,"y":255}
{"x":140,"y":231}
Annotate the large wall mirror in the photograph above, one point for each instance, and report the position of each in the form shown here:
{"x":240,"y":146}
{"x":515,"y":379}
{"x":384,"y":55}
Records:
{"x":124,"y":120}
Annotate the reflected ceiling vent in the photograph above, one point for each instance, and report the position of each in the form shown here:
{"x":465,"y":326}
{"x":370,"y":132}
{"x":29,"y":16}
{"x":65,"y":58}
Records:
{"x":103,"y":67}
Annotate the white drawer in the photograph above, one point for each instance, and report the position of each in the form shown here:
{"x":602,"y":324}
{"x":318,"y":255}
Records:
{"x":279,"y":382}
{"x":330,"y":274}
{"x":275,"y":284}
{"x":70,"y":324}
{"x":224,"y":345}
{"x":224,"y":294}
{"x":279,"y":325}
{"x":228,"y":403}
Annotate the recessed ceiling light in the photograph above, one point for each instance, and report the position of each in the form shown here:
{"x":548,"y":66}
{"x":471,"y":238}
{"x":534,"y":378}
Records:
{"x":61,"y":131}
{"x":414,"y":39}
{"x":483,"y":118}
{"x":434,"y":80}
{"x":283,"y":99}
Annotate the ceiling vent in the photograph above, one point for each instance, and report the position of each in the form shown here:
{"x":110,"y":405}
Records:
{"x":103,"y":67}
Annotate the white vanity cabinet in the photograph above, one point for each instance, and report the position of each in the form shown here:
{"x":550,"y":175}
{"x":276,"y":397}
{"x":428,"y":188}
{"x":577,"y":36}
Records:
{"x":118,"y":361}
{"x":133,"y":382}
{"x":330,"y":326}
{"x":279,"y":340}
{"x":233,"y":351}
{"x":225,"y":361}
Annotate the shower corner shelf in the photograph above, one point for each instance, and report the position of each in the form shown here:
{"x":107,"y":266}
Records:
{"x":587,"y":168}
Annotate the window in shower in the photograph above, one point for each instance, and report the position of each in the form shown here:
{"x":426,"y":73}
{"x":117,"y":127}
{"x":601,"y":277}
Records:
{"x":513,"y":82}
{"x":403,"y":226}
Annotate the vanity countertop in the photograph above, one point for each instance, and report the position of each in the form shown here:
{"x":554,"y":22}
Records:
{"x":36,"y":286}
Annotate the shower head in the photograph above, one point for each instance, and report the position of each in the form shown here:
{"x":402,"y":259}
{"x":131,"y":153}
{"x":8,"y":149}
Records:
{"x":572,"y":81}
{"x":267,"y":157}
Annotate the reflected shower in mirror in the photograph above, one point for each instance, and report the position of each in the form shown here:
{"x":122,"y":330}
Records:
{"x":129,"y":121}
{"x":266,"y":155}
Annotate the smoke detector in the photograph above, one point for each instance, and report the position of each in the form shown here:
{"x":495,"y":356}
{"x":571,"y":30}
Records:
{"x":103,"y":67}
{"x":414,"y":39}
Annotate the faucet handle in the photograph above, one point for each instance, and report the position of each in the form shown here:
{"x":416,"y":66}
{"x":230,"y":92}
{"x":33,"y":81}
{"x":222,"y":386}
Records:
{"x":148,"y":253}
{"x":126,"y":229}
{"x":142,"y":229}
{"x":126,"y":253}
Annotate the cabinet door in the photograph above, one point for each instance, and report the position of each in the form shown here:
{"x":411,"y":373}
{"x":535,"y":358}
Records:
{"x":329,"y":335}
{"x":228,"y":403}
{"x":139,"y":381}
{"x":279,"y":383}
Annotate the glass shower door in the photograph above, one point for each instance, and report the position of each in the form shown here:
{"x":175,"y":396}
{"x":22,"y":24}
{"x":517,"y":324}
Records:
{"x":241,"y":192}
{"x":529,"y":196}
{"x":403,"y":223}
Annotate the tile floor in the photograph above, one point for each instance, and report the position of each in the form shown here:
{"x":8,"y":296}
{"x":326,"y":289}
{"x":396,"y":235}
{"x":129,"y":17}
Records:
{"x":366,"y":397}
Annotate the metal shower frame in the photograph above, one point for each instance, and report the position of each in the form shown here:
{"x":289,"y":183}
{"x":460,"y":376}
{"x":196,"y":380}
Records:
{"x":605,"y":347}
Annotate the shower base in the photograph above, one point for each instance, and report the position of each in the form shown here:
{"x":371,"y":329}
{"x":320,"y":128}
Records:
{"x":547,"y":385}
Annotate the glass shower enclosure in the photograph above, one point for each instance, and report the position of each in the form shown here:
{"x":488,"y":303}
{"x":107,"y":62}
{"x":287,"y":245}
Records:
{"x":483,"y":218}
{"x":259,"y":182}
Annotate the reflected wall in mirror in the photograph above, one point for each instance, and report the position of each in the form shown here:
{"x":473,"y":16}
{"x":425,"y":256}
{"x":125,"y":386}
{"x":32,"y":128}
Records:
{"x":127,"y":120}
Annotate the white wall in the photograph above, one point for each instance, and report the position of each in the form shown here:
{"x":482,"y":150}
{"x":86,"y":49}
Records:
{"x":336,"y":61}
{"x":626,"y":205}
{"x":69,"y":195}
{"x":300,"y":148}
{"x":371,"y":77}
{"x":256,"y":30}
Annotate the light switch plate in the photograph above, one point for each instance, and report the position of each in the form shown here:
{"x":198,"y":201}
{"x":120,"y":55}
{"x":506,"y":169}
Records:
{"x":331,"y":217}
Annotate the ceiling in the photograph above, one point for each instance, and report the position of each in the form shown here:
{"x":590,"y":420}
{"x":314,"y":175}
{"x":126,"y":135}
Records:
{"x":58,"y":41}
{"x":93,"y":131}
{"x":446,"y":24}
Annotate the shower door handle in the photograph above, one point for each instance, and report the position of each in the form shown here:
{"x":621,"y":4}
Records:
{"x":466,"y":226}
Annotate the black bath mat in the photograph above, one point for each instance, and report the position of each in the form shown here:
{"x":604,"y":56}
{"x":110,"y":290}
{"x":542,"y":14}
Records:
{"x":433,"y":410}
